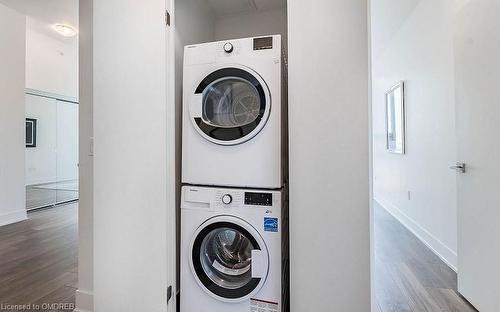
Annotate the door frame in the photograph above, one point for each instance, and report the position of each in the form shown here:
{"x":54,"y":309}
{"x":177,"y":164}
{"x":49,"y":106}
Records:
{"x":172,"y":156}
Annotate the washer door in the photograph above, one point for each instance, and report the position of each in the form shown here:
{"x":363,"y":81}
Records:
{"x":229,"y":259}
{"x":230,"y":106}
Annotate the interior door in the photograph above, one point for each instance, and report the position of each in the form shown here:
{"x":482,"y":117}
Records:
{"x":477,"y":52}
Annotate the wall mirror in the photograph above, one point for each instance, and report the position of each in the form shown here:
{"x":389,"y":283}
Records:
{"x":396,"y":119}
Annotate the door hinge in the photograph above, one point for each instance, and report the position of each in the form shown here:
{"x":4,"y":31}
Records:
{"x":167,"y":18}
{"x":169,"y":294}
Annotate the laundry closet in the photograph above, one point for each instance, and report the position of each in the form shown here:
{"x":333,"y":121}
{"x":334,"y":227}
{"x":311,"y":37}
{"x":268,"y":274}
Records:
{"x":127,"y":81}
{"x":231,"y":155}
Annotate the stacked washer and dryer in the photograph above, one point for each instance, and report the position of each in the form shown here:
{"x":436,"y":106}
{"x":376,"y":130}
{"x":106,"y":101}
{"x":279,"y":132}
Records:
{"x":232,"y":153}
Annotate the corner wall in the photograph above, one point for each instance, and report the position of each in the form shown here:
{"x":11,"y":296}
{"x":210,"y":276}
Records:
{"x":12,"y":120}
{"x":418,"y":188}
{"x":329,"y":155}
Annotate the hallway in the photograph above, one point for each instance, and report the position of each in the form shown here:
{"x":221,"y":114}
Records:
{"x":408,"y":275}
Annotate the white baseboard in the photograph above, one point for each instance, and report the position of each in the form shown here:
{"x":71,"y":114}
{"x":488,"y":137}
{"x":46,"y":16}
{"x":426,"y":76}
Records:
{"x":84,"y":301}
{"x":439,"y":248}
{"x":13,"y":217}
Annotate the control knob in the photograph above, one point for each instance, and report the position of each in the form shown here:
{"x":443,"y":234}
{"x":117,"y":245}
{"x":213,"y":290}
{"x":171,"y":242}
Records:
{"x":227,"y":199}
{"x":228,"y":47}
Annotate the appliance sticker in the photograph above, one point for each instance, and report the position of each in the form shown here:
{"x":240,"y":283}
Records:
{"x":257,"y":305}
{"x":270,"y":224}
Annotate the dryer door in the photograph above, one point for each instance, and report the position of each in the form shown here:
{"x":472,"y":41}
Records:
{"x":229,"y":259}
{"x":230,"y":106}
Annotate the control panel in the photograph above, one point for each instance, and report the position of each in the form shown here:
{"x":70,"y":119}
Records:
{"x":230,"y":198}
{"x":258,"y":199}
{"x":263,"y":43}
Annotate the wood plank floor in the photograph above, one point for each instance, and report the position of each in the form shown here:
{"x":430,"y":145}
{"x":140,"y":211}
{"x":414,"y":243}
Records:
{"x":408,"y":275}
{"x":38,"y":260}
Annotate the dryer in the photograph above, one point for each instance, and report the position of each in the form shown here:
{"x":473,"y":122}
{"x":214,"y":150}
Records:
{"x":232,"y":113}
{"x":230,"y":250}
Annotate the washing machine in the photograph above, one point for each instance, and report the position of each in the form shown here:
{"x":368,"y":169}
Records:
{"x":232,"y":113}
{"x":230,"y":250}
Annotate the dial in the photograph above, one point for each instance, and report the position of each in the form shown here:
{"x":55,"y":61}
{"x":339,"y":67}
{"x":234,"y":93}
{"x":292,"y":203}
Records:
{"x":227,"y":199}
{"x":228,"y":47}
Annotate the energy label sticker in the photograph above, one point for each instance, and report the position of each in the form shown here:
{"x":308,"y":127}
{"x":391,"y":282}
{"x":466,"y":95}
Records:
{"x":271,"y":224}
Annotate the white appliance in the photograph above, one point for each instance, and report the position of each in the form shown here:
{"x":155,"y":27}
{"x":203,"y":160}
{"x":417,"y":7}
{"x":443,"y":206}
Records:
{"x":230,"y":250}
{"x":232,"y":113}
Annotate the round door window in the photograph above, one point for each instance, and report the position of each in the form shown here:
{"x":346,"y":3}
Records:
{"x":222,"y":260}
{"x":230,"y":102}
{"x":235,"y":105}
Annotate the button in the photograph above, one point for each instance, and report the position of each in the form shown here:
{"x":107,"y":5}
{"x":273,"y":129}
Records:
{"x":227,"y":199}
{"x":228,"y":47}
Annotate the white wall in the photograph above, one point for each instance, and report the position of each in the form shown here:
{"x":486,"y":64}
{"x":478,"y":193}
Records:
{"x":270,"y":22}
{"x":329,"y":155}
{"x":12,"y":124}
{"x":131,"y":232}
{"x":84,"y":295}
{"x":51,"y":67}
{"x":51,"y":64}
{"x":421,"y":53}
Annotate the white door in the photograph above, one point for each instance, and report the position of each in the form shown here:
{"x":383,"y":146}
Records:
{"x":477,"y":53}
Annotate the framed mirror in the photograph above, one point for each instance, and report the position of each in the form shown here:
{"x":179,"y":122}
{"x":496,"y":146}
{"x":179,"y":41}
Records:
{"x":396,"y":119}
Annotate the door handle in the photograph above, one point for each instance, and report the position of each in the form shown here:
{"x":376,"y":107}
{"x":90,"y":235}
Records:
{"x":460,"y":167}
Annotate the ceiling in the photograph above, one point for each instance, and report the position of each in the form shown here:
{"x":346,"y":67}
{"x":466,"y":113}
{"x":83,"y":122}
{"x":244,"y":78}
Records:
{"x":231,"y":7}
{"x":47,"y":12}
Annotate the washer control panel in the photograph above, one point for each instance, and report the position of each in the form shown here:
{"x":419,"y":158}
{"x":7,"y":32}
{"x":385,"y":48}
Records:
{"x":222,"y":199}
{"x":258,"y":198}
{"x":230,"y":198}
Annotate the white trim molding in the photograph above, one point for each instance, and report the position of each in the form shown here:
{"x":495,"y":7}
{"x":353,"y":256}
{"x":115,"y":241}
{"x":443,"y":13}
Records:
{"x":50,"y":95}
{"x":435,"y":245}
{"x":84,"y":301}
{"x":13,"y":217}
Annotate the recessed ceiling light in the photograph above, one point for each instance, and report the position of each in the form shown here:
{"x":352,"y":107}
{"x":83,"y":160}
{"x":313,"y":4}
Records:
{"x":65,"y":30}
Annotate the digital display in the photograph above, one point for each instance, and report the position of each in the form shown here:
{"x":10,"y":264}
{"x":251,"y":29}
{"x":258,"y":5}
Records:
{"x":263,"y":43}
{"x":258,"y":199}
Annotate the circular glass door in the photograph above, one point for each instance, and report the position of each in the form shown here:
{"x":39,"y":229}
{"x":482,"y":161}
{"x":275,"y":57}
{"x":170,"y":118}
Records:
{"x":235,"y":106}
{"x":222,"y":260}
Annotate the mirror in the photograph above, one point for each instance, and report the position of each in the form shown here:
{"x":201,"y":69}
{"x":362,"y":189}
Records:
{"x":395,"y":119}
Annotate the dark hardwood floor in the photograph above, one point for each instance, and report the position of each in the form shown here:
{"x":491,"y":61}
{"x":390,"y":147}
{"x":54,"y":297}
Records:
{"x":408,"y":275}
{"x":38,"y":261}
